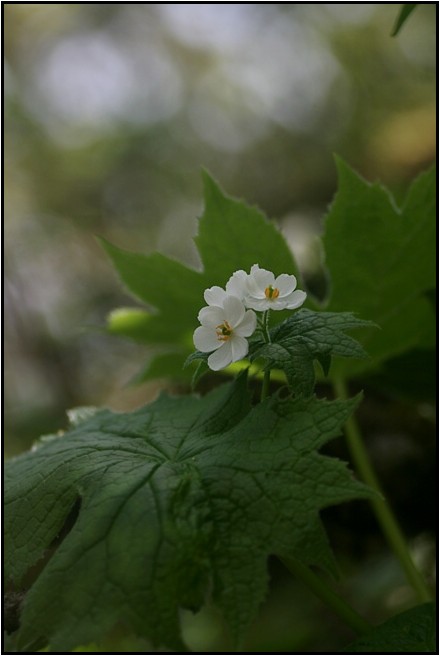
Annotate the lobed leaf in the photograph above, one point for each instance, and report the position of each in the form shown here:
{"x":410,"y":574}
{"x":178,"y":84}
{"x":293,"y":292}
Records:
{"x":382,"y":262}
{"x":307,"y":336}
{"x":163,"y":505}
{"x":231,"y":236}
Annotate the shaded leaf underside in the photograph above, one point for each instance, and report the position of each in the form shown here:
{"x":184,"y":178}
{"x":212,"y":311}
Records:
{"x":410,"y":632}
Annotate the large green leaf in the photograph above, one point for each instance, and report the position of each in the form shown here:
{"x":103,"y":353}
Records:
{"x":161,"y":505}
{"x":382,"y":263}
{"x":231,"y":236}
{"x":234,"y":236}
{"x":411,"y":632}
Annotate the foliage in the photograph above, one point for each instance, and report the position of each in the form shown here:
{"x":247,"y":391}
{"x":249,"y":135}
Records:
{"x":411,"y":632}
{"x":405,"y":12}
{"x":129,"y":520}
{"x":130,"y":517}
{"x":382,"y":263}
{"x":380,"y":259}
{"x":307,"y":336}
{"x":231,"y":236}
{"x":179,"y":496}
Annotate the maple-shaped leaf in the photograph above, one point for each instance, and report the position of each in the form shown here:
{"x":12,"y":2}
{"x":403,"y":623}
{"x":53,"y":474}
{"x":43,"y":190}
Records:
{"x":307,"y":336}
{"x":156,"y":508}
{"x":231,"y":236}
{"x":381,"y":260}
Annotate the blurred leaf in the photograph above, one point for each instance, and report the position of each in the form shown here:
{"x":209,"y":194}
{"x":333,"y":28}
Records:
{"x":162,"y":365}
{"x":411,"y":632}
{"x":234,"y":236}
{"x":231,"y":236}
{"x":129,"y":322}
{"x":178,"y":498}
{"x":172,"y":291}
{"x":405,"y":12}
{"x":382,"y":261}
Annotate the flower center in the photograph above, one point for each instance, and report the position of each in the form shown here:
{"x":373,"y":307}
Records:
{"x":271,"y":293}
{"x":224,"y":331}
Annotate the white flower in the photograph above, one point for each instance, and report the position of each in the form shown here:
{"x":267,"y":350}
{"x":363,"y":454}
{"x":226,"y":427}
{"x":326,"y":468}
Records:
{"x":236,"y":286}
{"x":224,"y":330}
{"x":265,"y":292}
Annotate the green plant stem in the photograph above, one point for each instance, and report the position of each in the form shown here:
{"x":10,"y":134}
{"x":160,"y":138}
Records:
{"x":266,"y":335}
{"x":266,"y":384}
{"x":320,"y":588}
{"x":382,"y":510}
{"x":265,"y":322}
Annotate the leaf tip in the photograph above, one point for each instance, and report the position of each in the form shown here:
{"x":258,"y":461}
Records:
{"x":210,"y":185}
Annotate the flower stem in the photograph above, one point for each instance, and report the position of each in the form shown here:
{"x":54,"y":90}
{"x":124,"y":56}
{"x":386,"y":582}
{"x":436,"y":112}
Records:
{"x":266,"y":384}
{"x":266,"y":332}
{"x":266,"y":335}
{"x":322,"y":590}
{"x":382,"y":510}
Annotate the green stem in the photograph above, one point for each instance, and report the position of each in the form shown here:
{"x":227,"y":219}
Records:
{"x":266,"y":332}
{"x":266,"y":384}
{"x":266,"y":335}
{"x":382,"y":510}
{"x":320,"y":588}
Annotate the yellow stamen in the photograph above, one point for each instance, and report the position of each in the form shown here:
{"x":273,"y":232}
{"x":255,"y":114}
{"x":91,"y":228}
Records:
{"x":271,"y":293}
{"x":224,"y":331}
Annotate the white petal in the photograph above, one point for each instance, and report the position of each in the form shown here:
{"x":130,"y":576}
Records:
{"x":285,"y":284}
{"x":259,"y":280}
{"x":206,"y":340}
{"x":221,"y":358}
{"x":247,"y":325}
{"x":214,"y":295}
{"x":236,"y":285}
{"x":278,"y":304}
{"x":233,"y":310}
{"x":239,"y":347}
{"x":295,"y":299}
{"x":259,"y":304}
{"x":211,"y":315}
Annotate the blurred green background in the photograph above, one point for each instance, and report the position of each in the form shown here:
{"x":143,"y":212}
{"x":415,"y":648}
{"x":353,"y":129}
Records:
{"x":111,"y":111}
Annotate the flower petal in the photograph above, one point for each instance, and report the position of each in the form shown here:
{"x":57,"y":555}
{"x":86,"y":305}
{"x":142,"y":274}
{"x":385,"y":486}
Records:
{"x":259,"y":304}
{"x":258,"y":280}
{"x":285,"y":283}
{"x":214,"y":295}
{"x":233,"y":310}
{"x":221,"y":358}
{"x":211,"y":315}
{"x":236,"y":285}
{"x":239,"y":347}
{"x":247,"y":325}
{"x":206,"y":340}
{"x":295,"y":299}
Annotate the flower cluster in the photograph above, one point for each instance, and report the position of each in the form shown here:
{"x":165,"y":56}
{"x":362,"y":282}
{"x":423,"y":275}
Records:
{"x":229,"y":317}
